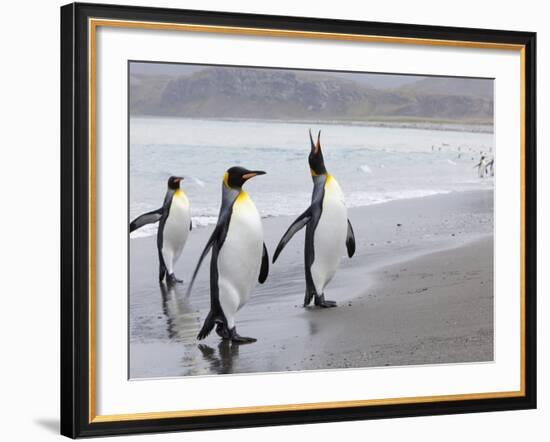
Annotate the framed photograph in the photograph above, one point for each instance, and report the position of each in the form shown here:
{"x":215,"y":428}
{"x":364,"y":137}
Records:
{"x":280,"y":220}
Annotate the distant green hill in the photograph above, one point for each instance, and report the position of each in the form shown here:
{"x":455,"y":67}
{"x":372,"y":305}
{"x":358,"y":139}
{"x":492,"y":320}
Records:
{"x":278,"y":94}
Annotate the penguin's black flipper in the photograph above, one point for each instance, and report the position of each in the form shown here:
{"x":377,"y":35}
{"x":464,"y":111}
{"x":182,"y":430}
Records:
{"x":218,"y":235}
{"x":264,"y":269}
{"x":147,"y":218}
{"x":203,"y":255}
{"x":207,"y":327}
{"x":350,"y":240}
{"x":298,"y":223}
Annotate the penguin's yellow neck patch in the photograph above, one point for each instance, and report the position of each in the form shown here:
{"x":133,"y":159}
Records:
{"x":242,"y":197}
{"x":226,"y":179}
{"x":181,"y":197}
{"x":331,"y":183}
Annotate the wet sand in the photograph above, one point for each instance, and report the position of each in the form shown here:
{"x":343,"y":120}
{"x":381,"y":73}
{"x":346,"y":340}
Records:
{"x":418,"y":291}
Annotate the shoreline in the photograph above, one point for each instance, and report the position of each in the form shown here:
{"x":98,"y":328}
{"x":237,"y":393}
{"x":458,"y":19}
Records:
{"x":138,"y":234}
{"x":456,"y":226}
{"x":420,"y":124}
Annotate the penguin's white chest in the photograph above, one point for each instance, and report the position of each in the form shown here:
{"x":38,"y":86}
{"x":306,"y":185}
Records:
{"x":240,"y":256}
{"x":330,"y":235}
{"x":482,"y":166}
{"x":176,"y":227}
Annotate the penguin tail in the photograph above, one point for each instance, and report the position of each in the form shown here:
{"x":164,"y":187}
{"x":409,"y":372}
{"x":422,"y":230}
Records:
{"x":207,"y":327}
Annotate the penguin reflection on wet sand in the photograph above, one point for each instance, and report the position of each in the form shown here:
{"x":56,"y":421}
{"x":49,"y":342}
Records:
{"x":182,"y":320}
{"x":174,"y":218}
{"x":239,"y":256}
{"x":223,"y":362}
{"x":328,"y":230}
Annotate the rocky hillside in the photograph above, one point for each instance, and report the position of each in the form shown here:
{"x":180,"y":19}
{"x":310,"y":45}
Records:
{"x":278,"y":94}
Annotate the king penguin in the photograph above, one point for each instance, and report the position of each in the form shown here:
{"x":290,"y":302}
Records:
{"x":328,"y":230}
{"x":490,"y":168}
{"x":239,"y":256}
{"x":481,"y":166}
{"x":174,"y":219}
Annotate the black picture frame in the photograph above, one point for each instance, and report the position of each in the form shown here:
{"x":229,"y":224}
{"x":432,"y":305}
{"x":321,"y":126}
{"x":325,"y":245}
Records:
{"x":75,"y":220}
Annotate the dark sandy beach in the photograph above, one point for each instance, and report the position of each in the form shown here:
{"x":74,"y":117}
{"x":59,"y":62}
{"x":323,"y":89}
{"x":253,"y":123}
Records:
{"x":418,"y":291}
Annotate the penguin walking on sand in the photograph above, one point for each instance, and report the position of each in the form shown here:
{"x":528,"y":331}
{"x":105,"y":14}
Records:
{"x":481,"y":167}
{"x":174,"y":218}
{"x":328,"y":230}
{"x":490,"y":168}
{"x":239,"y":256}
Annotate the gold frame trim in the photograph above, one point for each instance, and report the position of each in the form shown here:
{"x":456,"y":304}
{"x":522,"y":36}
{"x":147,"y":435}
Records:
{"x":93,"y":24}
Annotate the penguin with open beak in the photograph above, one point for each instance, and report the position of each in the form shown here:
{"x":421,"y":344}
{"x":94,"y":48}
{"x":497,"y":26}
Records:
{"x":328,"y":230}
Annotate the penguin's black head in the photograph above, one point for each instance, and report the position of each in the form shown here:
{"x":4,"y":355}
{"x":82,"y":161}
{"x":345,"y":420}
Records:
{"x":174,"y":182}
{"x":236,"y":176}
{"x":316,"y":161}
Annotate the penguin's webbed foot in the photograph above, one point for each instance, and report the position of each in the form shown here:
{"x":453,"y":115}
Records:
{"x":238,"y":339}
{"x":320,"y":301}
{"x":222,"y":331}
{"x":171,"y":279}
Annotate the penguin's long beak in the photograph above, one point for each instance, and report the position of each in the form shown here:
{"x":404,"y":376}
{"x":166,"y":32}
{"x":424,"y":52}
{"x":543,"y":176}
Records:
{"x":315,"y":146}
{"x":252,"y":174}
{"x":179,"y":179}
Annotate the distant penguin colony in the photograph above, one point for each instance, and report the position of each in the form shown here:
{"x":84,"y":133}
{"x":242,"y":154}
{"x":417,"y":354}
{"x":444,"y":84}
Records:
{"x":486,"y":163}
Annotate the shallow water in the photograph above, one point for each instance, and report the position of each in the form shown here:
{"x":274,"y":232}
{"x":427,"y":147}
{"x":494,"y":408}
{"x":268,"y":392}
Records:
{"x":372,"y":164}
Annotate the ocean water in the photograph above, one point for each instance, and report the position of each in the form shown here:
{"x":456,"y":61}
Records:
{"x":373,"y":164}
